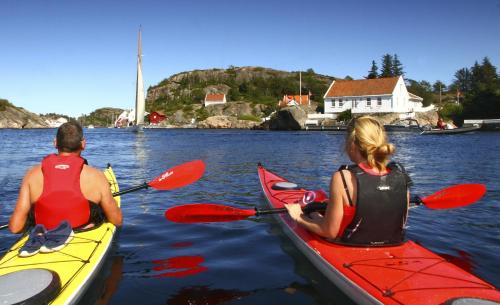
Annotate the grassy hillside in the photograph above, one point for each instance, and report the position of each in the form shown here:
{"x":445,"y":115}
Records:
{"x":254,"y":85}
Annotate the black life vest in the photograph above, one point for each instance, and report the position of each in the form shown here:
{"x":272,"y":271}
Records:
{"x":381,"y":207}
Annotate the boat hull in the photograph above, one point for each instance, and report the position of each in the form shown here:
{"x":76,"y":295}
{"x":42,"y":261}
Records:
{"x":450,"y":131}
{"x":403,"y":274}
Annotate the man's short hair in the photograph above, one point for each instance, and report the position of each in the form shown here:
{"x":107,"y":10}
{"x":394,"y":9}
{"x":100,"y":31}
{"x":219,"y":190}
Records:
{"x":69,"y":137}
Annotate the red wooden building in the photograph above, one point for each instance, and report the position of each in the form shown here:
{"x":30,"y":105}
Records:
{"x":156,"y":117}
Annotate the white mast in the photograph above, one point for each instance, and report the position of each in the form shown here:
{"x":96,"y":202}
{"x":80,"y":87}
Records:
{"x":139,"y":88}
{"x":300,"y":87}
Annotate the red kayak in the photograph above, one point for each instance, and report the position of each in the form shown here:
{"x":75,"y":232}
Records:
{"x":403,"y":274}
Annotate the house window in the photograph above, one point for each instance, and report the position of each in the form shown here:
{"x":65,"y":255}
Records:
{"x":368,"y":102}
{"x":341,"y":103}
{"x":379,"y":101}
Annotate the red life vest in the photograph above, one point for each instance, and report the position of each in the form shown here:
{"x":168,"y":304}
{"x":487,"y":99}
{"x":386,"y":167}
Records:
{"x":62,"y":198}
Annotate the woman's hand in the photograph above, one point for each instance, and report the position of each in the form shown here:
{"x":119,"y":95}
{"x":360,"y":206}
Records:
{"x":295,"y":211}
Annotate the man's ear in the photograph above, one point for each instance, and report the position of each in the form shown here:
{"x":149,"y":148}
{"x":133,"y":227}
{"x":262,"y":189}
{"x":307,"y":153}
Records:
{"x":84,"y":143}
{"x":55,"y":143}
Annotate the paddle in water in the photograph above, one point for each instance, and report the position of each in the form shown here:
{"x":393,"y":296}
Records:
{"x":447,"y":198}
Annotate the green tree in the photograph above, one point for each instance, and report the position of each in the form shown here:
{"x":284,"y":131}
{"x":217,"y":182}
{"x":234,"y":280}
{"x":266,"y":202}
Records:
{"x":438,"y":87}
{"x":422,"y":89}
{"x":397,"y":67}
{"x":387,"y":66}
{"x":452,"y":111}
{"x":344,"y":116}
{"x":462,"y":81}
{"x":484,"y":76}
{"x":373,"y":73}
{"x":483,"y":99}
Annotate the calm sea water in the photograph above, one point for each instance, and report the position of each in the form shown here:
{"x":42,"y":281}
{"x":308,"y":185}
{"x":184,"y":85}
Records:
{"x":251,"y":262}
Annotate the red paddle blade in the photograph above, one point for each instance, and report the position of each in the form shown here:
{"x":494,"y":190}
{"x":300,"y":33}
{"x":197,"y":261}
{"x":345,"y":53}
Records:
{"x":206,"y":212}
{"x":179,"y":176}
{"x":455,"y":196}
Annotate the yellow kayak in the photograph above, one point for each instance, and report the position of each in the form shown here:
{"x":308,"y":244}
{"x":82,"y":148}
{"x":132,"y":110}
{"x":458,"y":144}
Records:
{"x":59,"y":277}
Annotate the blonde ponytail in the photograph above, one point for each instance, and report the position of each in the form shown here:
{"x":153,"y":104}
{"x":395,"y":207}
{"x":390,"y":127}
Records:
{"x":368,"y":134}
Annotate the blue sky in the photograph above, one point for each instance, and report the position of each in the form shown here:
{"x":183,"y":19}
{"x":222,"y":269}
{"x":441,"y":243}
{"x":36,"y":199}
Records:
{"x":72,"y":57}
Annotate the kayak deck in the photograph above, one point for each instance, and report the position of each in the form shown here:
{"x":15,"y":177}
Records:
{"x":403,"y":274}
{"x":75,"y":264}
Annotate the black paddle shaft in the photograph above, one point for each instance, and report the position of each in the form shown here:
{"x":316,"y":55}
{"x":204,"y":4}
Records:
{"x":132,"y":189}
{"x":318,"y":207}
{"x":311,"y":207}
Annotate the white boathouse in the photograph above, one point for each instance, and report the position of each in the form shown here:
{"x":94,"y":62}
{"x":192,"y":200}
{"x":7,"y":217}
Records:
{"x":365,"y":96}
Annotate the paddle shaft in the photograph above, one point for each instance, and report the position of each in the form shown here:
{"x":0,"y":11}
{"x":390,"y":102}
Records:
{"x":132,"y":189}
{"x":317,"y":207}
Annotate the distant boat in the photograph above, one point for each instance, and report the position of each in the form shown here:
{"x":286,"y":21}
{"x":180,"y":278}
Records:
{"x":140,"y":103}
{"x":403,"y":125}
{"x":397,"y":127}
{"x":450,"y":131}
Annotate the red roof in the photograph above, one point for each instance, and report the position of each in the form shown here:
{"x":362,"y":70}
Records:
{"x":297,"y":98}
{"x":362,"y":87}
{"x":214,"y":97}
{"x":304,"y":99}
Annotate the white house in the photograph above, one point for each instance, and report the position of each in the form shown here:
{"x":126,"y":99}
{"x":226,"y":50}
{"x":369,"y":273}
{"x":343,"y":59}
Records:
{"x":214,"y":99}
{"x":380,"y":95}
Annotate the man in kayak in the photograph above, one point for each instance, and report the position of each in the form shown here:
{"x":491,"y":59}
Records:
{"x":64,"y":188}
{"x":368,"y":200}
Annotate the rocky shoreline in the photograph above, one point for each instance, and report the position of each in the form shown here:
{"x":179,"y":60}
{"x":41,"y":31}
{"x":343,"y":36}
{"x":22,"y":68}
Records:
{"x":16,"y":117}
{"x":233,"y":115}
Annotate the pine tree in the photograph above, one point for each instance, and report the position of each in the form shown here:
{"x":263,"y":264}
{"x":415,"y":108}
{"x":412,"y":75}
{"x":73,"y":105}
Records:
{"x":483,"y":100}
{"x":373,"y":73}
{"x":397,"y":67}
{"x":463,"y":80}
{"x":387,"y":66}
{"x":485,"y":76}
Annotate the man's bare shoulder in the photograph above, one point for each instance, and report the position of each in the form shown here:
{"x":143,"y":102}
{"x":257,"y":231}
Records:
{"x":34,"y":172}
{"x":92,"y":172}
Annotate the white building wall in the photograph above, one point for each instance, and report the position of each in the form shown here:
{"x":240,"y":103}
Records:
{"x":370,"y":104}
{"x":401,"y":97}
{"x":397,"y":102}
{"x":359,"y":104}
{"x":214,"y":103}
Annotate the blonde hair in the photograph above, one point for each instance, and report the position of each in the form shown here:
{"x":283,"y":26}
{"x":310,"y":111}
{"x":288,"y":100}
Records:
{"x":368,"y":134}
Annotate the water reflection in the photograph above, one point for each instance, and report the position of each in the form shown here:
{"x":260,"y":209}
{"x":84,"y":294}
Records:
{"x":106,"y":283}
{"x":463,"y":260}
{"x":204,"y":295}
{"x":112,"y":281}
{"x":179,"y":266}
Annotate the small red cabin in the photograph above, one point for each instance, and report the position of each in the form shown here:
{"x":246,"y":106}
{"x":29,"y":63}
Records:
{"x":156,"y":117}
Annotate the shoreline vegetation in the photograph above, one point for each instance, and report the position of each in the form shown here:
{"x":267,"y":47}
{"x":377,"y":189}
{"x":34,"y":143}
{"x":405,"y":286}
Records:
{"x":253,"y":93}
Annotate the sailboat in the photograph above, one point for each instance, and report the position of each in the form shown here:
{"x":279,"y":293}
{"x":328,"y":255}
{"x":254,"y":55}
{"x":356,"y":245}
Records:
{"x":138,"y":121}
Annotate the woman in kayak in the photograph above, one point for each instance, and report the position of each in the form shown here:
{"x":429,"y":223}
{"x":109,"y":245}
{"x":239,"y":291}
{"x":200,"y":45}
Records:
{"x":369,"y":199}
